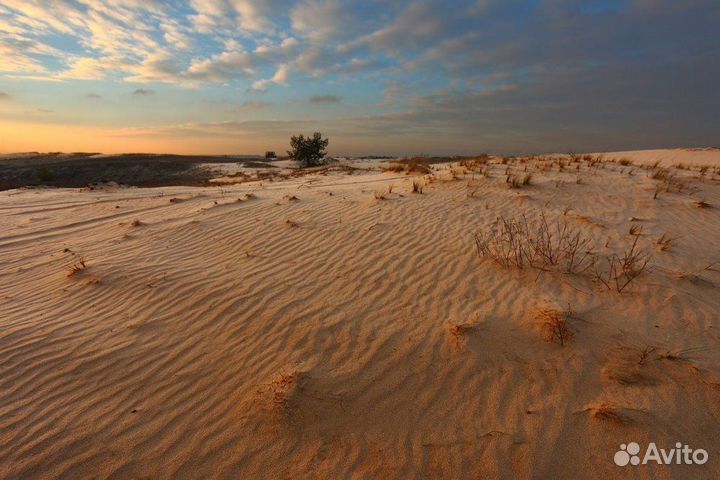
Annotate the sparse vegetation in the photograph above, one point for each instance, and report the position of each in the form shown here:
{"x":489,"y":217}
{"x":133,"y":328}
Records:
{"x":514,"y":242}
{"x":660,"y":174}
{"x":77,"y":266}
{"x":616,"y":272}
{"x":665,"y":242}
{"x":557,"y":246}
{"x":555,"y":325}
{"x":645,"y":354}
{"x":609,"y":413}
{"x":515,"y":181}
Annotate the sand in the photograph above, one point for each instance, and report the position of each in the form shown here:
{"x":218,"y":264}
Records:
{"x":324,"y":327}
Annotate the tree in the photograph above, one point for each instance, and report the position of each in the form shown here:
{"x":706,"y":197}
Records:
{"x":308,"y":151}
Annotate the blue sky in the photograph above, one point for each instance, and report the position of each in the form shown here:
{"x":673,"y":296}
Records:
{"x":426,"y":76}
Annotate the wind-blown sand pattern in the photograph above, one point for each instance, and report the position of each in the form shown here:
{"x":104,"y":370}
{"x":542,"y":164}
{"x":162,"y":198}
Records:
{"x":212,"y":334}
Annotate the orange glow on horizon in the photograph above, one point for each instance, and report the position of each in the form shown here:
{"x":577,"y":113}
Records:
{"x":18,"y":137}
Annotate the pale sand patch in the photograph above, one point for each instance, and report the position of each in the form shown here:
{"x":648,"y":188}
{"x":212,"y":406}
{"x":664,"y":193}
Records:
{"x":205,"y":338}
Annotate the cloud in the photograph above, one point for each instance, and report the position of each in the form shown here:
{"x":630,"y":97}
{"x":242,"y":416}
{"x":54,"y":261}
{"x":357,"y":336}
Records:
{"x":219,"y":68}
{"x":142,"y":92}
{"x":280,"y":78}
{"x":319,"y":20}
{"x":323,"y":99}
{"x":516,"y":74}
{"x":249,"y":15}
{"x":4,"y":96}
{"x":93,"y":96}
{"x":251,"y":105}
{"x":89,"y":68}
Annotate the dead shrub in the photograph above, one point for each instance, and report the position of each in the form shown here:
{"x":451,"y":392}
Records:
{"x":616,"y":272}
{"x":555,"y":325}
{"x":514,"y":242}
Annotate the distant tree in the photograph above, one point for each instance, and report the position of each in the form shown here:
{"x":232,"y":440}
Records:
{"x":270,"y":155}
{"x":308,"y":151}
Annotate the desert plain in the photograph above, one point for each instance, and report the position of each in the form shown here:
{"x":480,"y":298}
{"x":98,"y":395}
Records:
{"x":366,"y":320}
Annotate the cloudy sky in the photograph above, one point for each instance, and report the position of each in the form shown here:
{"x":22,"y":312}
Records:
{"x":377,"y":76}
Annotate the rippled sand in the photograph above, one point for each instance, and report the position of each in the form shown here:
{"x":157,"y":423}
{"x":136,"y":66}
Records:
{"x":338,"y":335}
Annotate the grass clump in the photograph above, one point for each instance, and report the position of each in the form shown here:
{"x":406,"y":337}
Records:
{"x":545,"y":245}
{"x":555,"y":325}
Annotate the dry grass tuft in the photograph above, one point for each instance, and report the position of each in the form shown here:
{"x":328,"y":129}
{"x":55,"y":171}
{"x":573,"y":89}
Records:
{"x":658,"y":189}
{"x":379,"y":196}
{"x":660,"y":174}
{"x":471,"y":191}
{"x":282,"y":389}
{"x":609,"y":413}
{"x":556,"y":246}
{"x":555,"y":325}
{"x":514,"y":242}
{"x":395,"y":168}
{"x":645,"y":354}
{"x":665,"y":242}
{"x":291,"y":224}
{"x":136,"y":223}
{"x":474,"y":164}
{"x":76,"y":267}
{"x":418,"y":167}
{"x":291,"y":198}
{"x":412,"y":165}
{"x":417,"y":187}
{"x":617,"y":272}
{"x":515,"y":181}
{"x":702,"y":204}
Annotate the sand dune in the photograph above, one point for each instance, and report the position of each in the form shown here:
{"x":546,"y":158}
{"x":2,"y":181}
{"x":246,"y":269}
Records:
{"x":353,"y":332}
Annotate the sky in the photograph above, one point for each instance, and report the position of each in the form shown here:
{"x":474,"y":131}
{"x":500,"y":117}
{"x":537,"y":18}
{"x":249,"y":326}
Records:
{"x":375,"y":76}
